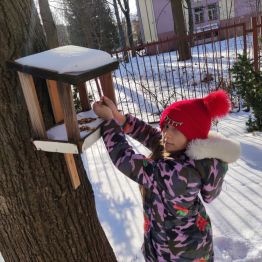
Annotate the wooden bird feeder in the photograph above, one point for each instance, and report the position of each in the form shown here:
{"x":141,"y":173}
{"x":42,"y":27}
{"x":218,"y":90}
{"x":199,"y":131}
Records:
{"x":62,"y":67}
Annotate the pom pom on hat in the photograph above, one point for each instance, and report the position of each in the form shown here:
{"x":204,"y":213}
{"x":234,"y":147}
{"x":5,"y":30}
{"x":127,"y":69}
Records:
{"x":193,"y":117}
{"x":217,"y":104}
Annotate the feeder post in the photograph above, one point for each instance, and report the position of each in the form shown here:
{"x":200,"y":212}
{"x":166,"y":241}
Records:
{"x":67,"y":102}
{"x":55,"y":101}
{"x":32,"y":103}
{"x":71,"y":166}
{"x":60,"y":96}
{"x":107,"y":85}
{"x":84,"y":100}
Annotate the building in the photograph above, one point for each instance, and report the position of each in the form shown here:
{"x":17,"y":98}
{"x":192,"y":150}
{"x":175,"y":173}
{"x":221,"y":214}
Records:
{"x":157,"y":20}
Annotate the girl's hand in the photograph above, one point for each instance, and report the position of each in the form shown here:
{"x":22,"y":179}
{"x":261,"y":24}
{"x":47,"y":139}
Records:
{"x":108,"y":102}
{"x":102,"y":110}
{"x":116,"y":114}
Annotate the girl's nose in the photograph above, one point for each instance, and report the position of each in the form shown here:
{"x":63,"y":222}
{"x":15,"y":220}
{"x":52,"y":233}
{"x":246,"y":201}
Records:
{"x":166,"y":133}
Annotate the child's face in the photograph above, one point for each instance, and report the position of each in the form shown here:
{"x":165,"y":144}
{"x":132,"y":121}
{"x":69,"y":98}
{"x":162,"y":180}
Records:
{"x":173,"y":139}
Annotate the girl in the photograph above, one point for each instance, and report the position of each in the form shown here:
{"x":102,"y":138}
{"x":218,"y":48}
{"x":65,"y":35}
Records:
{"x":185,"y":162}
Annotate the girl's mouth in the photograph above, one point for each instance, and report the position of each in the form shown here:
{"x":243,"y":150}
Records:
{"x":168,"y":144}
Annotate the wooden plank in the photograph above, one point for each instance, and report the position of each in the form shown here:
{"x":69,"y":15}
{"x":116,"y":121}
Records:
{"x":71,"y":165}
{"x":107,"y":85}
{"x":91,"y":139}
{"x":98,"y":87}
{"x":55,"y":101}
{"x":33,"y":106}
{"x":70,"y":119}
{"x":84,"y":100}
{"x":72,"y":78}
{"x":56,"y":147}
{"x":72,"y":129}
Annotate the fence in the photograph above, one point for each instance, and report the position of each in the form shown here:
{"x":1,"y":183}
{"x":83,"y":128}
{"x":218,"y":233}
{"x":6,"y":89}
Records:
{"x":148,"y":81}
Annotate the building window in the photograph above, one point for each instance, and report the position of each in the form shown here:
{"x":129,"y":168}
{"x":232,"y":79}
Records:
{"x":199,"y":15}
{"x":212,"y":12}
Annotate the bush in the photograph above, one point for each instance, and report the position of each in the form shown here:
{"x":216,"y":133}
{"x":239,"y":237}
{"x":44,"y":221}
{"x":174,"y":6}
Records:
{"x":248,"y":84}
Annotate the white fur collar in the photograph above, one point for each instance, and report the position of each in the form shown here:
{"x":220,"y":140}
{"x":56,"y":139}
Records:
{"x":215,"y":146}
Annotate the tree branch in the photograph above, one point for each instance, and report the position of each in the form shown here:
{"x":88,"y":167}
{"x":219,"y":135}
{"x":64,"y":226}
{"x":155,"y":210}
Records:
{"x":121,"y":6}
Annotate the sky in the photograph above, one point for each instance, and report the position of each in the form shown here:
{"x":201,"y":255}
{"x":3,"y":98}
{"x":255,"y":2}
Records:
{"x":132,"y":4}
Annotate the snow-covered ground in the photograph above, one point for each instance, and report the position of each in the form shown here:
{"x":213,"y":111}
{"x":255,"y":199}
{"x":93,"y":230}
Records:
{"x":146,"y":84}
{"x":236,"y":214}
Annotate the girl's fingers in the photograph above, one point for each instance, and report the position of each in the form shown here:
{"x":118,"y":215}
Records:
{"x":104,"y":99}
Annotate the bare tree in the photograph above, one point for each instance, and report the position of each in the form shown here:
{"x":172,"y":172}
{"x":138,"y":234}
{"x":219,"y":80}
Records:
{"x":254,"y":6}
{"x":126,"y":11}
{"x":122,"y":40}
{"x":48,"y":24}
{"x":41,"y":217}
{"x":190,"y":16}
{"x":184,"y":50}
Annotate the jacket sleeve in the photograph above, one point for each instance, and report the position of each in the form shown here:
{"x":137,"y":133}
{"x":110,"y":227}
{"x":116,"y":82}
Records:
{"x":142,"y":132}
{"x":156,"y":176}
{"x":135,"y":166}
{"x":212,"y":173}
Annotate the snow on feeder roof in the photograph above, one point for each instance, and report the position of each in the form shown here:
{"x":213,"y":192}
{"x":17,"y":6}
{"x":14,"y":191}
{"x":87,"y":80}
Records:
{"x":72,"y":64}
{"x":62,"y":67}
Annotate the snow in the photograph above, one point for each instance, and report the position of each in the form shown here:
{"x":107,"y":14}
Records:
{"x":68,"y":59}
{"x":59,"y":133}
{"x":236,"y":214}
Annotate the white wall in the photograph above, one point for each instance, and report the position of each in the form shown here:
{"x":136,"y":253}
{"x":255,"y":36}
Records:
{"x":148,"y":20}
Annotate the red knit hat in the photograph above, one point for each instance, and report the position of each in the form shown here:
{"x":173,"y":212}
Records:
{"x":193,"y":117}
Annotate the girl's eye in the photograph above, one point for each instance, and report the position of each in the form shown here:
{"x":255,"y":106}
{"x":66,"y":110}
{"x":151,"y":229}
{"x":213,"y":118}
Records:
{"x":166,"y":126}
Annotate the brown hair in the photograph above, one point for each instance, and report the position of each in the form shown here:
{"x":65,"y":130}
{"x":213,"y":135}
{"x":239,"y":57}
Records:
{"x":157,"y":153}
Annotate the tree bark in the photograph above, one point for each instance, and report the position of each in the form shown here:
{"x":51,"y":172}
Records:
{"x":41,"y":217}
{"x":48,"y":24}
{"x":184,"y":50}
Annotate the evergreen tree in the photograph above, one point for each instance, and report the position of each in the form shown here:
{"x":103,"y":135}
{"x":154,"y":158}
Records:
{"x":91,"y":24}
{"x":248,"y":84}
{"x":105,"y":27}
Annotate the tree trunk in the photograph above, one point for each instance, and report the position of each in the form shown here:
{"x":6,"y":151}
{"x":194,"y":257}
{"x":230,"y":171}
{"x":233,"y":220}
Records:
{"x":184,"y":50}
{"x":49,"y":24}
{"x":190,"y":17}
{"x":126,"y":11}
{"x":41,"y":217}
{"x":129,"y":30}
{"x":122,"y":41}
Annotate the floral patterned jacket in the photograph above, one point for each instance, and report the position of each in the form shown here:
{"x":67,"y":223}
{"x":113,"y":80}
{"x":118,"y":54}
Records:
{"x":176,"y":225}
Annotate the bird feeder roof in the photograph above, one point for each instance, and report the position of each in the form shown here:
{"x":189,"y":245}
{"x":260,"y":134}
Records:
{"x":70,"y":64}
